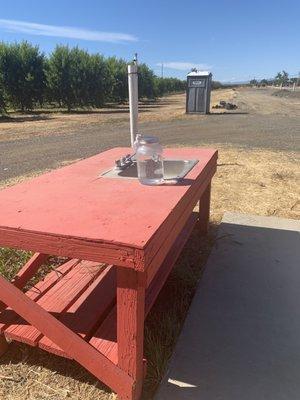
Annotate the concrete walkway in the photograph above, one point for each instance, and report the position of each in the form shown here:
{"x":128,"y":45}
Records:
{"x":241,"y":339}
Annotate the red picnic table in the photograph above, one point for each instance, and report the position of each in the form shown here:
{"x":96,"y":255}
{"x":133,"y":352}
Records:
{"x":121,"y":240}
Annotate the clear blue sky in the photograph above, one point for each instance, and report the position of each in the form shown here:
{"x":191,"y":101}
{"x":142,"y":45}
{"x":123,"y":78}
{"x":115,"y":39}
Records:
{"x":237,"y":40}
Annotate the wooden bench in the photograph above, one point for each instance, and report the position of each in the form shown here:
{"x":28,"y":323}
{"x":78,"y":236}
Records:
{"x":94,"y":311}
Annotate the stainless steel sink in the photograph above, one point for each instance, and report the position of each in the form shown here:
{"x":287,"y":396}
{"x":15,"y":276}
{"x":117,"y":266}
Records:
{"x":173,"y":169}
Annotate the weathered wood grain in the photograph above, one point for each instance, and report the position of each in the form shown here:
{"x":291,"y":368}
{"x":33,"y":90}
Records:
{"x":130,"y":326}
{"x":27,"y":272}
{"x":155,"y":260}
{"x":102,"y":230}
{"x":195,"y":189}
{"x":141,"y":229}
{"x":105,"y":338}
{"x":9,"y":316}
{"x":71,"y":343}
{"x":29,"y":269}
{"x":166,"y":267}
{"x":68,"y":247}
{"x":88,"y":311}
{"x":60,"y":297}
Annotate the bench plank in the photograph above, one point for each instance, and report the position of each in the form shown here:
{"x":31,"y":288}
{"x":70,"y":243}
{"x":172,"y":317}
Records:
{"x":78,"y":349}
{"x":56,"y":300}
{"x":8,"y":316}
{"x":89,"y":310}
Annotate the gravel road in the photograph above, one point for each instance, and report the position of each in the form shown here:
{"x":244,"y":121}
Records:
{"x":261,"y":121}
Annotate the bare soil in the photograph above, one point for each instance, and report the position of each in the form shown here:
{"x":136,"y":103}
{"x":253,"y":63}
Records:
{"x":257,"y":173}
{"x":55,"y":122}
{"x":261,"y":121}
{"x":287,"y":93}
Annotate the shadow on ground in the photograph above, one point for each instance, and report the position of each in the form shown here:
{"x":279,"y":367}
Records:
{"x":241,"y":337}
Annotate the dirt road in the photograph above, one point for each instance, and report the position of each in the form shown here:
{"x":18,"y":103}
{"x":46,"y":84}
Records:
{"x":261,"y":121}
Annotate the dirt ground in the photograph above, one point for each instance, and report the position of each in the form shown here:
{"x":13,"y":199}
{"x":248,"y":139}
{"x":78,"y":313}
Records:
{"x":261,"y":121}
{"x":42,"y":123}
{"x":262,"y":181}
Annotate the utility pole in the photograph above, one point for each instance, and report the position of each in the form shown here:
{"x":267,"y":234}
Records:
{"x":162,"y":69}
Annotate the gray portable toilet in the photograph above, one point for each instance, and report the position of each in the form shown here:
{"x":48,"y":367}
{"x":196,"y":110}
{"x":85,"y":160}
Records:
{"x":198,"y":92}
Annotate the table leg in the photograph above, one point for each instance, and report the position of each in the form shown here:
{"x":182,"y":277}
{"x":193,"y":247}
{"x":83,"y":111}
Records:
{"x":130,"y":327}
{"x":3,"y":345}
{"x":204,"y":210}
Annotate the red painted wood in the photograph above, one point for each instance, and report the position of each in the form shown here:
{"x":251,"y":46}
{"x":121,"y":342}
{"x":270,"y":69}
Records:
{"x":57,"y":299}
{"x":194,"y":190}
{"x":113,"y":221}
{"x":88,"y":311}
{"x":130,"y":326}
{"x":155,"y":263}
{"x":3,"y":345}
{"x":67,"y":247}
{"x":27,"y":272}
{"x":168,"y":264}
{"x":29,"y":269}
{"x":8,"y":316}
{"x":105,"y":338}
{"x":204,"y":210}
{"x":71,"y":343}
{"x":31,"y":220}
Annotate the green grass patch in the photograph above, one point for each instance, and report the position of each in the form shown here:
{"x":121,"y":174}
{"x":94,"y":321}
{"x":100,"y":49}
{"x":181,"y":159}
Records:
{"x":11,"y":261}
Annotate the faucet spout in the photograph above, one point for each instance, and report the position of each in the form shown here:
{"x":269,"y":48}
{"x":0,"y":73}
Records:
{"x":124,"y":162}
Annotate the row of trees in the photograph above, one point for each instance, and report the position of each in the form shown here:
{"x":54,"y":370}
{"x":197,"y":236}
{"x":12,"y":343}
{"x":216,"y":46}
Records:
{"x":281,"y":79}
{"x":70,"y":77}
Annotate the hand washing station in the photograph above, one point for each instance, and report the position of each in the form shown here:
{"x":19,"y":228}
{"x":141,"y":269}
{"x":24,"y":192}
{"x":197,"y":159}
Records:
{"x":121,"y":240}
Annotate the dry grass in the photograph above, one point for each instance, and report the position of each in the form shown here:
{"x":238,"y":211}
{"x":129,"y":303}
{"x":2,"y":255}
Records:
{"x":257,"y":182}
{"x":43,"y":123}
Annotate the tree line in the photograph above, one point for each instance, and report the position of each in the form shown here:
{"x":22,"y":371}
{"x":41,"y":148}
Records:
{"x":281,"y":79}
{"x":70,"y":78}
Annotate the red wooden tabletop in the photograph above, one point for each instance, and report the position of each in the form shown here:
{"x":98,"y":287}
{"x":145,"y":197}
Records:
{"x":75,"y":202}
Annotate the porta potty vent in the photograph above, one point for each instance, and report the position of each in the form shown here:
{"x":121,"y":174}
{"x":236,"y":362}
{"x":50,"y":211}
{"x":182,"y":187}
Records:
{"x":198,"y":92}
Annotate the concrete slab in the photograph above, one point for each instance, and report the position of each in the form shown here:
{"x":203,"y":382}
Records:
{"x":241,"y":338}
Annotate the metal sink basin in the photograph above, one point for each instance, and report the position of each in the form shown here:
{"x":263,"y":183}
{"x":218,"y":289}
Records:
{"x":173,"y":169}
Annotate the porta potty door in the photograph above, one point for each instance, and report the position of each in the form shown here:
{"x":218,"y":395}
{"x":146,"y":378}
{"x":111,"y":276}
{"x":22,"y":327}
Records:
{"x":196,"y":95}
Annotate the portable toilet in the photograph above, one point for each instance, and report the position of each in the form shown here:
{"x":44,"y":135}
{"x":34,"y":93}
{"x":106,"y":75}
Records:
{"x":198,"y":92}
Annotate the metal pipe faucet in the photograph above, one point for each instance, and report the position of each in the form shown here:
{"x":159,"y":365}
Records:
{"x":124,"y":162}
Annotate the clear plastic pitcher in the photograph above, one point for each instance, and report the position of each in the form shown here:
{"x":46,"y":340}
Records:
{"x":149,"y":156}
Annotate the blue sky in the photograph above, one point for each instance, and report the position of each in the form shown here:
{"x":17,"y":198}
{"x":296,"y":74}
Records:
{"x":236,"y":40}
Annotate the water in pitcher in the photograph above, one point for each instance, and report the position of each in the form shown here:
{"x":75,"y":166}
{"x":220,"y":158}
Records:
{"x":150,"y":161}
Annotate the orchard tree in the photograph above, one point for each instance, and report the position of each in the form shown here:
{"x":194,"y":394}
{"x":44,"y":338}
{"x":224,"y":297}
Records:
{"x":59,"y":77}
{"x":22,"y":74}
{"x":282,"y":78}
{"x":264,"y":82}
{"x":2,"y":101}
{"x":146,"y":81}
{"x":119,"y":87}
{"x":99,"y":81}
